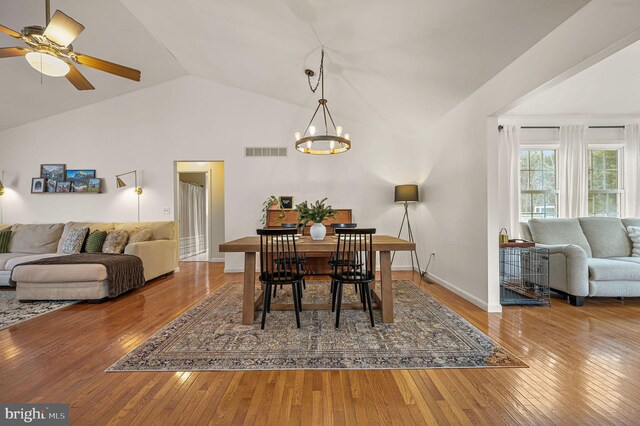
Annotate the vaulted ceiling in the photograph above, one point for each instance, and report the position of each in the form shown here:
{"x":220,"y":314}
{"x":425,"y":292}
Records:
{"x":400,"y":63}
{"x":610,"y":87}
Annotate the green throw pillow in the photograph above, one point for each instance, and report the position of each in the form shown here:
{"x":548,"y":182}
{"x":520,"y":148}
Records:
{"x":94,"y":242}
{"x":5,"y":237}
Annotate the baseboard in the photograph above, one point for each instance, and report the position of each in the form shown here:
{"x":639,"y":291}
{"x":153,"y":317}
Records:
{"x":464,"y":294}
{"x":233,"y":270}
{"x":217,"y":260}
{"x":393,"y":268}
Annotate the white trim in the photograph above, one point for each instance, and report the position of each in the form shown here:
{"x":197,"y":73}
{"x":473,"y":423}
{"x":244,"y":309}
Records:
{"x":464,"y":294}
{"x":233,"y":270}
{"x":217,"y":260}
{"x":393,"y":268}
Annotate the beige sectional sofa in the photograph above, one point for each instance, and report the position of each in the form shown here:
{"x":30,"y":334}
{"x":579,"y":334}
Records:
{"x":78,"y":282}
{"x":588,"y":256}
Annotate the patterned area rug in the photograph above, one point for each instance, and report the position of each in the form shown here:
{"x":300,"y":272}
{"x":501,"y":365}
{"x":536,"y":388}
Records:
{"x":13,"y":312}
{"x":210,"y":336}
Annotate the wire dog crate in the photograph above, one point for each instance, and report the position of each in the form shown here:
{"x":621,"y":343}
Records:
{"x":524,"y":274}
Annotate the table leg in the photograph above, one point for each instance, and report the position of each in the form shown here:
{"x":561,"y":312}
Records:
{"x":249,"y":292}
{"x":386,"y":286}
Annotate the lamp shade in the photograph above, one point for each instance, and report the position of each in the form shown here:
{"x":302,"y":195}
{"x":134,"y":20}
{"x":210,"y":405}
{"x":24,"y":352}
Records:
{"x":406,"y":193}
{"x":1,"y":188}
{"x":120,"y":183}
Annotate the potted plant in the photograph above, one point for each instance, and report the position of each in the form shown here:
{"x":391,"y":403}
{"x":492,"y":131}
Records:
{"x":315,"y":213}
{"x":271,"y":203}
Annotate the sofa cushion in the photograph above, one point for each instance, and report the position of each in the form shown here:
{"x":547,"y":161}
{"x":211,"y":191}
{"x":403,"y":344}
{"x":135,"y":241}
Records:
{"x":631,"y":221}
{"x":607,"y":236}
{"x":559,"y":231}
{"x":42,"y":238}
{"x":59,"y":273}
{"x":74,"y":241}
{"x":140,"y":236}
{"x":5,"y":238}
{"x":95,"y":241}
{"x":6,"y":257}
{"x":159,"y":230}
{"x":634,"y":236}
{"x":115,"y":242}
{"x":93,"y":226}
{"x":4,"y":226}
{"x":525,"y":232}
{"x":613,"y":270}
{"x":24,"y":258}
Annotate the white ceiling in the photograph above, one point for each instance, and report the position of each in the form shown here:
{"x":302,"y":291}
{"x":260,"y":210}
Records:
{"x":610,"y":87}
{"x":400,"y":63}
{"x":112,"y":33}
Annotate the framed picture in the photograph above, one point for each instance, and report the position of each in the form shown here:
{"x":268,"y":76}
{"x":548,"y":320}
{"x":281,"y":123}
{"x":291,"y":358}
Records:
{"x":37,"y":185}
{"x":79,"y":174}
{"x":54,"y":172}
{"x":51,"y":185}
{"x":94,"y":185}
{"x":63,"y":187}
{"x":286,"y":202}
{"x":80,"y":185}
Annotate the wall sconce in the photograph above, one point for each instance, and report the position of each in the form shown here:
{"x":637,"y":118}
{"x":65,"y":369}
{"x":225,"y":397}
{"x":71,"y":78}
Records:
{"x":138,"y":190}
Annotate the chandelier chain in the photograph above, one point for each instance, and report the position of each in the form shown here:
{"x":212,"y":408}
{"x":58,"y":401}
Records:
{"x":320,"y":73}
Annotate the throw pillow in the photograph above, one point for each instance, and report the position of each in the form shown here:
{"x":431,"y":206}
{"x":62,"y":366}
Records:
{"x":5,"y":238}
{"x":140,"y":235}
{"x":634,"y":236}
{"x":95,"y":240}
{"x":115,"y":242}
{"x":75,"y":240}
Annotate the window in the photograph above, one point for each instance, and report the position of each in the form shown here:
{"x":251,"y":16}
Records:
{"x":538,"y":183}
{"x":605,"y":195}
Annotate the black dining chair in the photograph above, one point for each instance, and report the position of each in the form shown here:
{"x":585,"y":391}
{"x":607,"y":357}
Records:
{"x":332,"y":261}
{"x":279,"y":266}
{"x":301,"y":257}
{"x":354,"y":256}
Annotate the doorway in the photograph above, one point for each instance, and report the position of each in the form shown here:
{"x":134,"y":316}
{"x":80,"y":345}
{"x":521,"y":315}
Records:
{"x":199,"y":207}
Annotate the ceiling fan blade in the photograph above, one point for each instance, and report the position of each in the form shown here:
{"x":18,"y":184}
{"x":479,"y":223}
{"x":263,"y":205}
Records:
{"x":62,"y":29}
{"x":76,"y":78}
{"x":9,"y":52}
{"x":110,"y":67}
{"x":10,"y":32}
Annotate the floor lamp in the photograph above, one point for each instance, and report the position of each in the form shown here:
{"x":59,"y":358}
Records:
{"x":407,"y":194}
{"x":121,"y":184}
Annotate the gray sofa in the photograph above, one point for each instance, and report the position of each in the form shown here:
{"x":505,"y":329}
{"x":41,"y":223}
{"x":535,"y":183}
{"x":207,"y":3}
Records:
{"x":588,"y":256}
{"x":78,"y":282}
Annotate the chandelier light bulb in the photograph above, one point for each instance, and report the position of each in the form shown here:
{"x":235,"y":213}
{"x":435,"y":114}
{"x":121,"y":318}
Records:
{"x":332,"y":145}
{"x":346,"y":136}
{"x":297,"y":135}
{"x":339,"y":130}
{"x":309,"y":145}
{"x":312,"y":130}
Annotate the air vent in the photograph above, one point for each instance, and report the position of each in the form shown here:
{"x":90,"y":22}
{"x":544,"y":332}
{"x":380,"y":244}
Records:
{"x":265,"y":151}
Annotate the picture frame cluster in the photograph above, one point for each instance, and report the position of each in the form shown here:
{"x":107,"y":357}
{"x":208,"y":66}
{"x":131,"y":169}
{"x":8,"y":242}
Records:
{"x":55,"y":178}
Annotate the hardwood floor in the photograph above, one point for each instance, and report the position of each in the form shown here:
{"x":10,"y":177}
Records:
{"x":584,"y":368}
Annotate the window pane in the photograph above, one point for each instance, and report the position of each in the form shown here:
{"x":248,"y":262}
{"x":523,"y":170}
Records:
{"x":524,"y":181}
{"x":524,"y":159}
{"x":611,"y":181}
{"x":611,"y":159}
{"x":549,"y":160}
{"x":549,"y":179}
{"x":535,"y":159}
{"x":535,"y":180}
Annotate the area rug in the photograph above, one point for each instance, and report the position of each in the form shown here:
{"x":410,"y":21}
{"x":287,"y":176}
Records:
{"x":13,"y":312}
{"x":210,"y":336}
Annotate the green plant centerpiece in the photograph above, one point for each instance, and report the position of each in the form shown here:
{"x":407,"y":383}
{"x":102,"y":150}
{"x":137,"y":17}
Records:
{"x":315,"y":213}
{"x":267,"y":205}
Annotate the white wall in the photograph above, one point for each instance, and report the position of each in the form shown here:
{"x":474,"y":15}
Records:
{"x":194,"y":119}
{"x":460,"y":222}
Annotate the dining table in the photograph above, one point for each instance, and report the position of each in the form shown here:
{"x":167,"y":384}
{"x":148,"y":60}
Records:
{"x":382,"y":244}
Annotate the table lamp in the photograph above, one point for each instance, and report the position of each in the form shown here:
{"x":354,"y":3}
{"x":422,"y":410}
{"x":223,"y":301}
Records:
{"x":407,"y":194}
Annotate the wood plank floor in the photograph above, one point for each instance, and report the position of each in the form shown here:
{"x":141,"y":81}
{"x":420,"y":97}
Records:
{"x":584,"y":369}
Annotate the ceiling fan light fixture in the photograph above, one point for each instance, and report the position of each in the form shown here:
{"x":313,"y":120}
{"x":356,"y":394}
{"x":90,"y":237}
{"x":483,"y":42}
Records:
{"x":47,"y":64}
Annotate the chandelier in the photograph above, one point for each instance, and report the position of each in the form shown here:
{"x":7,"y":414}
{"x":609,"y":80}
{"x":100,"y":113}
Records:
{"x":315,"y":142}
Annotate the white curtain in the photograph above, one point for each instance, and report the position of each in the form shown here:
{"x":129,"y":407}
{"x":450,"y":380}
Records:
{"x":632,"y":171}
{"x":192,"y":220}
{"x":573,"y":171}
{"x":509,"y":179}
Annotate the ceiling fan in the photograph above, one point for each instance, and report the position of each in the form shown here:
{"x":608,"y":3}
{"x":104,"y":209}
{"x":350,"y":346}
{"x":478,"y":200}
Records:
{"x":50,"y":51}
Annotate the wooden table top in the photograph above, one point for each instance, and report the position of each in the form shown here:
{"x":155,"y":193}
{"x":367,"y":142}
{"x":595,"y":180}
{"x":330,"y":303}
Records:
{"x":306,"y":244}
